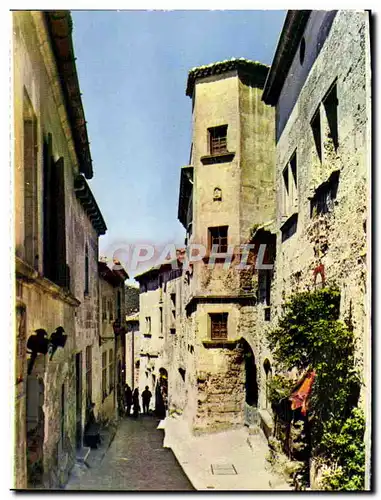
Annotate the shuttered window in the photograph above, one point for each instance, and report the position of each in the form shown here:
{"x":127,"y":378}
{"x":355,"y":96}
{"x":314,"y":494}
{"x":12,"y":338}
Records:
{"x":219,"y":326}
{"x":54,"y":240}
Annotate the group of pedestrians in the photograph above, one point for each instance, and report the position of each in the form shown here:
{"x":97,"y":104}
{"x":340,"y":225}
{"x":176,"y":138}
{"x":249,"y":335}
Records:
{"x":131,"y":400}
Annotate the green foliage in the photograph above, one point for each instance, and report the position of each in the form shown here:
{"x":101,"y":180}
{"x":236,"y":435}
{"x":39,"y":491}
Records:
{"x":278,"y":388}
{"x":347,"y":454}
{"x":309,"y":334}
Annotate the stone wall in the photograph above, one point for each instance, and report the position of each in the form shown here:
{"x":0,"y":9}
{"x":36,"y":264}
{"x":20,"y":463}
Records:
{"x":338,"y":238}
{"x":46,"y":304}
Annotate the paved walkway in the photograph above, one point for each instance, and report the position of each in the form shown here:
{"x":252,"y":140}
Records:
{"x":225,"y":461}
{"x":135,"y":461}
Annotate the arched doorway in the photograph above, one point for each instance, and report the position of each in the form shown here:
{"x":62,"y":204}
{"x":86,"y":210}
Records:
{"x":161,"y":394}
{"x":251,"y":384}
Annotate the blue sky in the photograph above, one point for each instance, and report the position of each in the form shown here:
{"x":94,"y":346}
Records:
{"x":132,"y":68}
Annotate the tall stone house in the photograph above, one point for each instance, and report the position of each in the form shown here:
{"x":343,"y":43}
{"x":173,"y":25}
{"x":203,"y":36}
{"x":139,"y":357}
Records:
{"x":57,"y":227}
{"x":320,"y":87}
{"x":159,"y":323}
{"x":111,"y":354}
{"x":226,"y":194}
{"x":132,"y":361}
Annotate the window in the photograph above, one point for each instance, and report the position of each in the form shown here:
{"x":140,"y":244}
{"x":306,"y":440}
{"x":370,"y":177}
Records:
{"x":325,"y":195}
{"x":264,"y":286}
{"x":285,"y":178}
{"x":302,"y":50}
{"x":316,"y":131}
{"x":89,"y":374}
{"x":148,"y":325}
{"x":173,"y":300}
{"x":104,"y":375}
{"x":218,"y":237}
{"x":290,"y":187}
{"x":172,"y":331}
{"x":111,"y":370}
{"x":289,"y":227}
{"x":330,"y":103}
{"x":30,"y":185}
{"x":217,"y":140}
{"x":119,"y":306}
{"x":104,"y":309}
{"x":86,"y":269}
{"x":161,"y":320}
{"x":110,"y":311}
{"x":219,"y":326}
{"x":54,"y":240}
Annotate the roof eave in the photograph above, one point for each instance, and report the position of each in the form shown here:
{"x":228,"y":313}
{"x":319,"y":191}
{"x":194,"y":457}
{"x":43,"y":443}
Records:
{"x":60,"y":25}
{"x":288,"y":43}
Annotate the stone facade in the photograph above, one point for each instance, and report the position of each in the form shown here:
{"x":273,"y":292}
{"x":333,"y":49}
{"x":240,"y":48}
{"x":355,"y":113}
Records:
{"x":226,"y":94}
{"x":110,"y":357}
{"x":56,"y":244}
{"x":324,"y":121}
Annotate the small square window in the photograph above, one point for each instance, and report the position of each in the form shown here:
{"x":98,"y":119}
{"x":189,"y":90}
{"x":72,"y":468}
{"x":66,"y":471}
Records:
{"x":285,"y":178}
{"x":218,"y":140}
{"x":218,"y":237}
{"x":219,"y":326}
{"x":316,"y":131}
{"x":330,"y":104}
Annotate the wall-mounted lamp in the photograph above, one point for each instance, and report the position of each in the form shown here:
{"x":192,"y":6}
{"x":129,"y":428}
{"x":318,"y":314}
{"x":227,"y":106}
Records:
{"x":57,"y":339}
{"x":37,"y":344}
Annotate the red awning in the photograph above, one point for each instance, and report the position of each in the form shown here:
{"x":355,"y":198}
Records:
{"x":300,"y":397}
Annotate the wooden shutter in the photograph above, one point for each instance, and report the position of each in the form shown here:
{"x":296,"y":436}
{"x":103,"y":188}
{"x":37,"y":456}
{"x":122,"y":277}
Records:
{"x":48,"y":244}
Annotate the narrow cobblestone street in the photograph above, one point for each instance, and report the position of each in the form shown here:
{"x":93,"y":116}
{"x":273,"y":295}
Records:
{"x":135,"y":461}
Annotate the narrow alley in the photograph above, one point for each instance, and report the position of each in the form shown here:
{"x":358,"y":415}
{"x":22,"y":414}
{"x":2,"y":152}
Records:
{"x":135,"y":461}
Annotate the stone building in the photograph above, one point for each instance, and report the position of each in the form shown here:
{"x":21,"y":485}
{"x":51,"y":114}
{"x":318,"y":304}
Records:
{"x":320,"y":87}
{"x":57,"y":225}
{"x":159,"y":325}
{"x":132,"y":362}
{"x":111,"y":354}
{"x":226,"y":196}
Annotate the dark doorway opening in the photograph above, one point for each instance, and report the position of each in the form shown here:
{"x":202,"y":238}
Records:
{"x":251,"y":384}
{"x":161,"y":394}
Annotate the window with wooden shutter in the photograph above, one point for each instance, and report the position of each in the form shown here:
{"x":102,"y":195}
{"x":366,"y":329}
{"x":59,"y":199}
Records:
{"x":30,"y":147}
{"x":219,"y":326}
{"x":218,"y":139}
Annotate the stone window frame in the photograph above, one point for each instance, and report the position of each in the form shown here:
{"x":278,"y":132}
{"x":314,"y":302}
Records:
{"x":219,"y":320}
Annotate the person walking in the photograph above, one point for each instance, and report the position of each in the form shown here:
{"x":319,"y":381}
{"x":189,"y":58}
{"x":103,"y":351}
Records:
{"x":128,"y":399}
{"x":135,"y":402}
{"x":146,"y":397}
